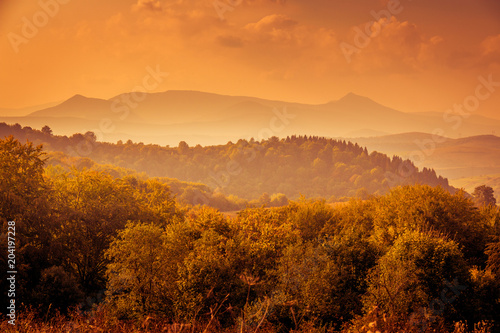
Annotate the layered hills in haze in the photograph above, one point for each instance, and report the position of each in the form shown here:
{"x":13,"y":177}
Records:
{"x":204,"y":118}
{"x":453,"y":158}
{"x":467,"y":162}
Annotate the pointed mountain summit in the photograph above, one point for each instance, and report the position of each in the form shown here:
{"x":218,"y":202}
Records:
{"x":360,"y":102}
{"x":354,"y":98}
{"x":79,"y":106}
{"x":353,"y":105}
{"x":77,"y":97}
{"x":78,"y":101}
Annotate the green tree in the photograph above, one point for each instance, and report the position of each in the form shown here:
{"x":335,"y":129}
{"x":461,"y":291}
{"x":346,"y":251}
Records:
{"x":265,"y":199}
{"x":183,"y":148}
{"x":207,"y":281}
{"x":416,"y":271}
{"x":137,"y":272}
{"x":485,"y":295}
{"x":423,"y":208}
{"x":323,"y":281}
{"x":483,"y":196}
{"x":493,"y":253}
{"x":23,"y":199}
{"x":46,"y":130}
{"x":91,"y":208}
{"x":21,"y":178}
{"x":155,"y":200}
{"x":309,"y":216}
{"x":279,"y":200}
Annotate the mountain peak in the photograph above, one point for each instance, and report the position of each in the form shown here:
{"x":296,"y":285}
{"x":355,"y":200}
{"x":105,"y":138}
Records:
{"x":77,"y":97}
{"x":352,"y":97}
{"x":75,"y":100}
{"x":76,"y":106}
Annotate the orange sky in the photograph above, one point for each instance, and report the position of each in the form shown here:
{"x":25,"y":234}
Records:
{"x":427,"y":56}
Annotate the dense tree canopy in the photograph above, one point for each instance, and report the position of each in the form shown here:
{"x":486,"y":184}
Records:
{"x":21,"y":170}
{"x":293,"y":166}
{"x":418,"y":256}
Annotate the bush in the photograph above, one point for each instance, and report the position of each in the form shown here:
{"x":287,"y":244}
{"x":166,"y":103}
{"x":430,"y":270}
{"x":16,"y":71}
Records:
{"x":57,"y":290}
{"x":420,"y":273}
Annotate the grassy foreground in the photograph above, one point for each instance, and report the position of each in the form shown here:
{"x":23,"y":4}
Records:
{"x":99,"y":320}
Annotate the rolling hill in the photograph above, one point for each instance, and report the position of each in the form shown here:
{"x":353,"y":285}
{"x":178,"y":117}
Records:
{"x":292,"y":166}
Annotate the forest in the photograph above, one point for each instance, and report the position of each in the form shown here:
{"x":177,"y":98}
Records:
{"x":100,"y":250}
{"x":292,"y":166}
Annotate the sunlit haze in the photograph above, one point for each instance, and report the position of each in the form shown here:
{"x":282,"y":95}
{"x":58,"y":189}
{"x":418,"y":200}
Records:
{"x":420,"y":55}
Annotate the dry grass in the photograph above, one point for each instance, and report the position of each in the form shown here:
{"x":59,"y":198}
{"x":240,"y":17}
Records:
{"x":96,"y":321}
{"x":101,"y":321}
{"x":377,"y":322}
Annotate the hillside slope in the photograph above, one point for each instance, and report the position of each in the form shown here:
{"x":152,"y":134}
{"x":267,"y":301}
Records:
{"x":453,"y":158}
{"x":297,"y":165}
{"x":469,"y":184}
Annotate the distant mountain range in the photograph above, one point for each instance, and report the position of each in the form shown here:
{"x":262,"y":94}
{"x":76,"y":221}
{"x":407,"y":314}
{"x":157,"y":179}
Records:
{"x":196,"y":117}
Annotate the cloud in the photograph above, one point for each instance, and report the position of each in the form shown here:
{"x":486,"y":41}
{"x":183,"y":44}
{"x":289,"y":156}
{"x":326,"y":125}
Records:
{"x":273,"y":22}
{"x":151,"y":5}
{"x":277,"y":47}
{"x":490,"y":53}
{"x":483,"y":56}
{"x":491,"y":47}
{"x":273,"y":28}
{"x":391,"y":45}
